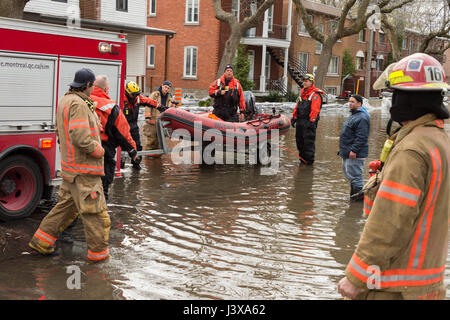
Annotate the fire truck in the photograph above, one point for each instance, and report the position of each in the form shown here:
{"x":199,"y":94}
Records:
{"x":37,"y":62}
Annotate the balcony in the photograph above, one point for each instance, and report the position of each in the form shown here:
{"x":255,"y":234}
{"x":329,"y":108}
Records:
{"x":279,"y":36}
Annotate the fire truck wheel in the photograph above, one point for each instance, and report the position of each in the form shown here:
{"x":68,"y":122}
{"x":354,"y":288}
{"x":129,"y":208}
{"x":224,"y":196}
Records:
{"x":21,"y":187}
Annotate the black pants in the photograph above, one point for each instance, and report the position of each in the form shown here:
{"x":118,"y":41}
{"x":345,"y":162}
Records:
{"x":226,"y":114}
{"x":134,"y":131}
{"x":305,"y":136}
{"x":108,"y":178}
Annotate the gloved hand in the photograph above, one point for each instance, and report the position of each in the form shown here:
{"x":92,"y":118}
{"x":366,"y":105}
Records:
{"x":161,"y":108}
{"x":133,"y":154}
{"x":311,"y":124}
{"x":293,"y":121}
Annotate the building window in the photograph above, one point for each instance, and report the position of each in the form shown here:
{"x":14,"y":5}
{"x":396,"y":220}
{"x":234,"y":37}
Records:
{"x":270,"y":18}
{"x":411,"y":46}
{"x":331,"y":90}
{"x":190,"y":62}
{"x":380,"y":62}
{"x":359,"y":63}
{"x":122,"y":5}
{"x":302,"y":28}
{"x":151,"y":56}
{"x":152,"y":7}
{"x":362,"y":35}
{"x":303,"y":58}
{"x":405,"y":44}
{"x":380,"y":37}
{"x":235,"y":5}
{"x":333,"y":67}
{"x":192,"y":8}
{"x":333,"y":26}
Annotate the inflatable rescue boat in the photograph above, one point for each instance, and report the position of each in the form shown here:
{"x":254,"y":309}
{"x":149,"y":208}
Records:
{"x":259,"y":127}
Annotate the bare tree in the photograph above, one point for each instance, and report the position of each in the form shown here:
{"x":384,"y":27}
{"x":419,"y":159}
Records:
{"x":237,"y":28}
{"x":342,"y":31}
{"x":429,"y":18}
{"x":12,"y":8}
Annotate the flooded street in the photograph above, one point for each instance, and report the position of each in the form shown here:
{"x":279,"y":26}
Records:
{"x":214,"y":232}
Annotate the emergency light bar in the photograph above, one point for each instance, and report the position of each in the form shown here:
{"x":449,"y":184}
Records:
{"x":112,"y":48}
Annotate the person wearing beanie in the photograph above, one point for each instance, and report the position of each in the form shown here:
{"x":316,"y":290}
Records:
{"x":354,"y":144}
{"x":165,"y":99}
{"x":402,"y":251}
{"x":228,"y":96}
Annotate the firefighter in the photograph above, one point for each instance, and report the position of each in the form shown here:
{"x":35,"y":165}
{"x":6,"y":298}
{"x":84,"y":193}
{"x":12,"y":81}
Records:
{"x":116,"y":130}
{"x":163,"y":97}
{"x":306,"y":117}
{"x":403,"y":248}
{"x":132,"y":100}
{"x":81,"y":193}
{"x":228,"y":96}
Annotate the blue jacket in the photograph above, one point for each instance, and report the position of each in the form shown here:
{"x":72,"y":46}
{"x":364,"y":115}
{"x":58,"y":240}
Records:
{"x":355,"y":134}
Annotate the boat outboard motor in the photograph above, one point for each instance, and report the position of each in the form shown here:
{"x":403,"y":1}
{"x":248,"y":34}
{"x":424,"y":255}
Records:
{"x":250,"y":105}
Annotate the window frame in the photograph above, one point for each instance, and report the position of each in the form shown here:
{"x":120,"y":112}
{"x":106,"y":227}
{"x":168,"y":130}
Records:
{"x":191,"y":75}
{"x":125,"y":2}
{"x":362,"y":63}
{"x":305,"y":33}
{"x":194,"y":3}
{"x":362,"y":33}
{"x":320,"y":28}
{"x":149,"y":47}
{"x":307,"y":58}
{"x":151,"y":8}
{"x":234,"y":11}
{"x":337,"y":66}
{"x":270,"y":18}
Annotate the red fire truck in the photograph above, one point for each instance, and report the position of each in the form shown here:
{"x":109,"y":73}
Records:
{"x":37,"y":62}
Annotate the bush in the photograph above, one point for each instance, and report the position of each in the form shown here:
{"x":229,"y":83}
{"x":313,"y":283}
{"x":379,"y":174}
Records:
{"x":291,"y":96}
{"x":274,"y":96}
{"x":204,"y":103}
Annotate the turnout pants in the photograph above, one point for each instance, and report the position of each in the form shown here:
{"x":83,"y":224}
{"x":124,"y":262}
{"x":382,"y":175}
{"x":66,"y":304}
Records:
{"x":151,"y":142}
{"x":305,"y":136}
{"x":83,"y":197}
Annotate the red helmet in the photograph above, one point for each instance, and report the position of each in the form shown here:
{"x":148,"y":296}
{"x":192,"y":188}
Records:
{"x":417,"y":72}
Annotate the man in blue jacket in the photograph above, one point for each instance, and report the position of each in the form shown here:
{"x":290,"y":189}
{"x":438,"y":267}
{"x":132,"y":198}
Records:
{"x":354,"y":144}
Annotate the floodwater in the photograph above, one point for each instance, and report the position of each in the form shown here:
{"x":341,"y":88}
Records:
{"x":215,"y":232}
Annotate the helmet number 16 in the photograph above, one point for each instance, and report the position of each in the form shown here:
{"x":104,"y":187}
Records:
{"x":433,"y":73}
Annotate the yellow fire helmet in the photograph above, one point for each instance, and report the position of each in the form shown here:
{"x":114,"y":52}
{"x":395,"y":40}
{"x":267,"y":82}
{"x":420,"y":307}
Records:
{"x":309,"y":77}
{"x":132,"y":88}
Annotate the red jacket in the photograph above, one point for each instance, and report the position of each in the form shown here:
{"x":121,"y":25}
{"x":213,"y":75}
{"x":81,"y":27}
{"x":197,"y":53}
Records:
{"x":116,"y":130}
{"x":131,"y":109}
{"x":311,"y":94}
{"x":217,"y":85}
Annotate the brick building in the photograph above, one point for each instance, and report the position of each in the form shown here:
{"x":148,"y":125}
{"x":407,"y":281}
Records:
{"x":196,"y":50}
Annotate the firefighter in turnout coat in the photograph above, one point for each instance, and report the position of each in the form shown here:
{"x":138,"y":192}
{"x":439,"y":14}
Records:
{"x":81,"y":192}
{"x":403,"y":248}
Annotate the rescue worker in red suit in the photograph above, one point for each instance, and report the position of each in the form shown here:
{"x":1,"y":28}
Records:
{"x":116,"y":130}
{"x":228,"y":96}
{"x":306,"y":117}
{"x":132,"y":100}
{"x":403,"y":247}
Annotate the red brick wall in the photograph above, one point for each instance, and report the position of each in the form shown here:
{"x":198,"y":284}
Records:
{"x":90,"y":9}
{"x":170,"y":15}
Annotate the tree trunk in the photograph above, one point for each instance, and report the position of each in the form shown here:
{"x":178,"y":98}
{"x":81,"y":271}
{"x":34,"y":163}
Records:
{"x":230,"y":49}
{"x":324,"y":62}
{"x":12,"y":8}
